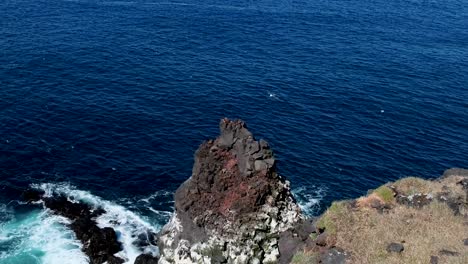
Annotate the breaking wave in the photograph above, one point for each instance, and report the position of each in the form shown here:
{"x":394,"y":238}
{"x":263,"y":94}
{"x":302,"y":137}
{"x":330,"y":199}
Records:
{"x":42,"y":237}
{"x":309,"y":199}
{"x":37,"y":236}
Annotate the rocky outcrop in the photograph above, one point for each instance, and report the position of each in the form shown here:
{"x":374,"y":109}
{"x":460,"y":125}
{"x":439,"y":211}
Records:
{"x":99,"y":244}
{"x":235,"y":206}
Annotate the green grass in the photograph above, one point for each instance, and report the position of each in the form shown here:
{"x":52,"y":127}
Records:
{"x":302,"y":257}
{"x":326,"y":222}
{"x":385,"y":193}
{"x":313,"y":236}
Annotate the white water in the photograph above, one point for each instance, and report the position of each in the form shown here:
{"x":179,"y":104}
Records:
{"x":127,"y":224}
{"x":38,"y":237}
{"x":309,"y":199}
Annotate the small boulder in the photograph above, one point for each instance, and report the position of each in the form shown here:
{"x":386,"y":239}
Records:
{"x":465,"y":241}
{"x":463,"y":183}
{"x":434,"y":260}
{"x":146,"y":259}
{"x":321,"y":240}
{"x":395,"y":247}
{"x":114,"y":260}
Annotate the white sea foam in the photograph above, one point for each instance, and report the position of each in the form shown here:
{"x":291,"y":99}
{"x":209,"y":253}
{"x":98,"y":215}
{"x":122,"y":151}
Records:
{"x":156,"y":195}
{"x":127,"y":224}
{"x":309,"y":199}
{"x":39,"y":237}
{"x":273,"y":95}
{"x":161,"y":214}
{"x":57,"y":241}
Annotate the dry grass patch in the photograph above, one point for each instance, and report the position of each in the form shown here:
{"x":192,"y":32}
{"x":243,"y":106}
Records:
{"x":377,"y":198}
{"x":365,"y":233}
{"x":304,"y":257}
{"x":413,"y":185}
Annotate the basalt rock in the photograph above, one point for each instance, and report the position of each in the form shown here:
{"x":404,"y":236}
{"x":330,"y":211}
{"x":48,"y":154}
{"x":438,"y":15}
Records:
{"x":395,"y":247}
{"x":234,"y":207}
{"x":99,"y":244}
{"x":146,"y":259}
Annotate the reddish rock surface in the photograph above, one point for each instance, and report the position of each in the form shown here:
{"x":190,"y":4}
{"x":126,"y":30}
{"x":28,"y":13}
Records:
{"x":232,"y":177}
{"x":235,"y":201}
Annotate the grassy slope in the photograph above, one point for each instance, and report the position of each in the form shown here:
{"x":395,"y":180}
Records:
{"x":364,"y":227}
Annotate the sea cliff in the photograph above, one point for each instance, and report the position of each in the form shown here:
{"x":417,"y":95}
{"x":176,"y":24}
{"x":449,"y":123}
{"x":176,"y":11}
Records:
{"x":236,"y":208}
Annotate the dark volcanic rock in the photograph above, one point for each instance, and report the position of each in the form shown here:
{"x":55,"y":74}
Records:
{"x":395,"y":247}
{"x":295,"y":239}
{"x":417,"y":200}
{"x":61,"y":205}
{"x":146,"y":259}
{"x":232,"y":177}
{"x":114,"y":260}
{"x":456,"y":203}
{"x":32,"y":195}
{"x":234,"y":205}
{"x":321,"y":240}
{"x":100,"y":244}
{"x":146,"y":239}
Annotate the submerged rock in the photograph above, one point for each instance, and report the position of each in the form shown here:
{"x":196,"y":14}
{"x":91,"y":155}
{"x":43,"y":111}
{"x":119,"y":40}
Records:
{"x":99,"y":244}
{"x":146,"y":259}
{"x":234,"y":207}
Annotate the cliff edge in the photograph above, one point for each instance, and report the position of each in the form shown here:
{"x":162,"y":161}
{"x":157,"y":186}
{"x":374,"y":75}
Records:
{"x":236,"y":209}
{"x":412,"y":220}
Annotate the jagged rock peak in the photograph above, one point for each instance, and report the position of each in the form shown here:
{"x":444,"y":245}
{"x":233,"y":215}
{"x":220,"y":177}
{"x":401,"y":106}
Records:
{"x":234,"y":204}
{"x":231,"y":131}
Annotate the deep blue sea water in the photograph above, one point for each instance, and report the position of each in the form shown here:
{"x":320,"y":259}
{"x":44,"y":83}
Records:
{"x":106,"y":101}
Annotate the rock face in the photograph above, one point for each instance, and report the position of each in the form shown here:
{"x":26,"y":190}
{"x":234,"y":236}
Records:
{"x":234,"y":207}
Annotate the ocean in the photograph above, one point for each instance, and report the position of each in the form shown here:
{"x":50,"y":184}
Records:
{"x":106,"y":102}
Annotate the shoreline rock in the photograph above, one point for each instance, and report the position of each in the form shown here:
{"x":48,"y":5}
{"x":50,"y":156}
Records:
{"x":235,"y":206}
{"x":99,"y":244}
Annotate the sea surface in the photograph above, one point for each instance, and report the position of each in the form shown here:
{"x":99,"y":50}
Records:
{"x":106,"y":102}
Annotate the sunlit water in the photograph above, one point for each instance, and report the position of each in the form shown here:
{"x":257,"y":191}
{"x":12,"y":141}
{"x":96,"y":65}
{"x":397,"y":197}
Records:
{"x":106,"y":102}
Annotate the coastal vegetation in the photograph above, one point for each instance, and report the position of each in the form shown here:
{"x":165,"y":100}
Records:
{"x":412,"y":220}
